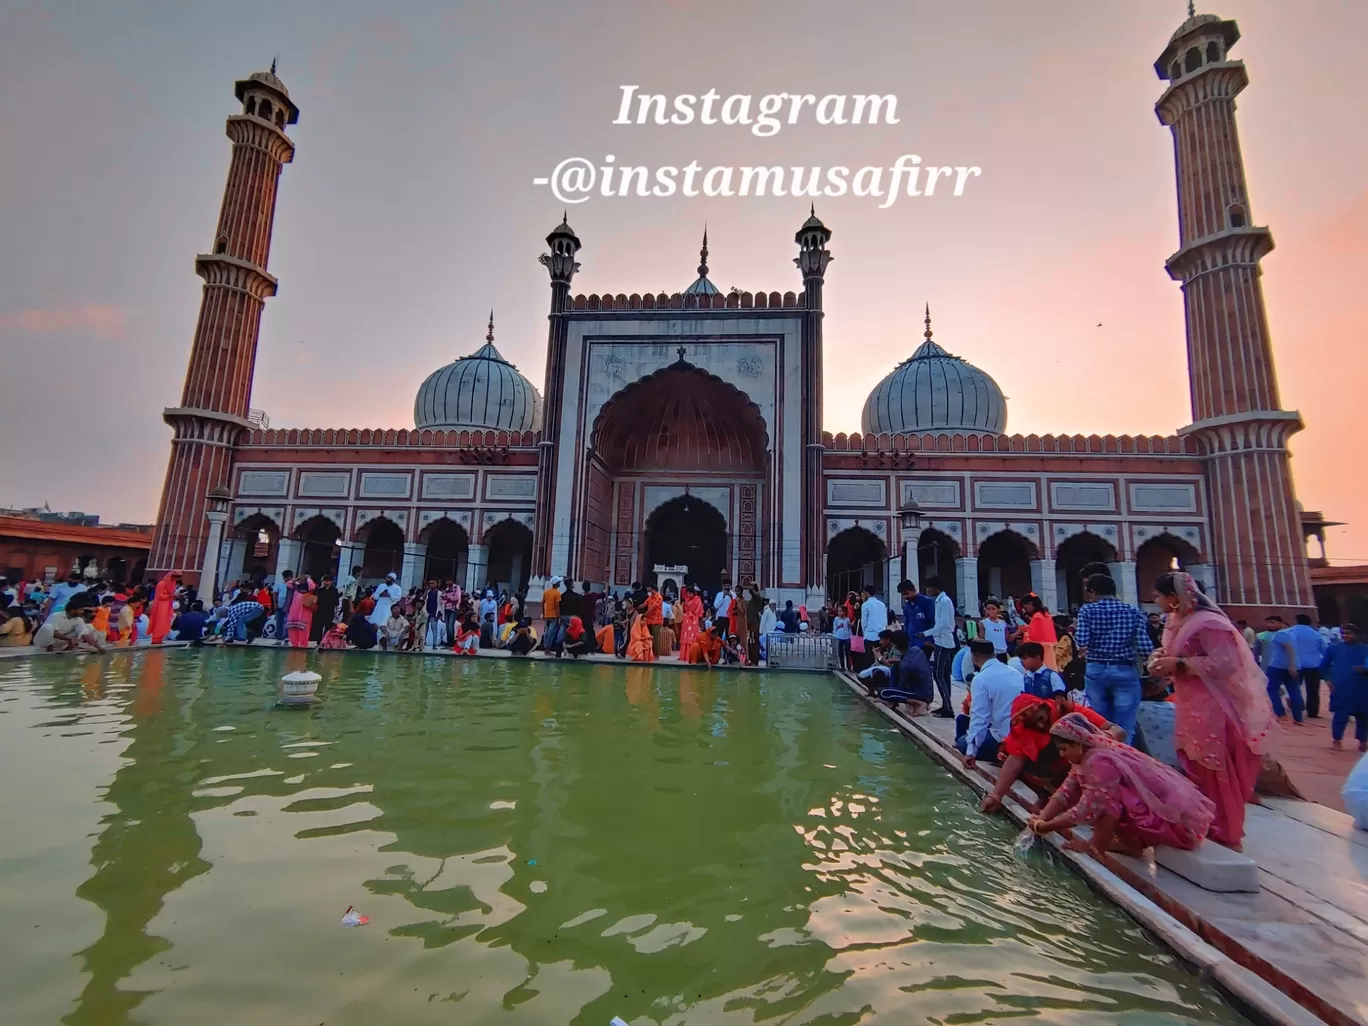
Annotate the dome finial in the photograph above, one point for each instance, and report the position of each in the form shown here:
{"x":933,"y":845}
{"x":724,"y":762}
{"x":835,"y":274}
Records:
{"x":927,"y":334}
{"x":273,"y":64}
{"x":703,"y":255}
{"x":490,"y":337}
{"x":1192,"y":8}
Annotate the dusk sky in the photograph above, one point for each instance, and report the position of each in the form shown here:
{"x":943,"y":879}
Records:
{"x":409,"y":210}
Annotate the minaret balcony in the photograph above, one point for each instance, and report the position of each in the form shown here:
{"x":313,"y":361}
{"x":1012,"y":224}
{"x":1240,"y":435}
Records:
{"x":1231,"y":247}
{"x":224,"y":271}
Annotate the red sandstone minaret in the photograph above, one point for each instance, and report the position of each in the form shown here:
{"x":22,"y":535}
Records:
{"x":218,"y":383}
{"x":812,"y":259}
{"x":1256,"y":541}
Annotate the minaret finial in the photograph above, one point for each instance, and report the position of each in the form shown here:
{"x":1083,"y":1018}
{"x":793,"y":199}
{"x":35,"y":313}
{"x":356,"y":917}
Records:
{"x":1192,"y":8}
{"x":927,"y":334}
{"x":273,"y":64}
{"x":490,"y":337}
{"x":812,"y":209}
{"x":703,"y":255}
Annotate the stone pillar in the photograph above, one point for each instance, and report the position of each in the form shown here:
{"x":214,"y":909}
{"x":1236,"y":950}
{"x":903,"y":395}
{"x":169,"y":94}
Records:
{"x":515,"y":575}
{"x":477,"y":568}
{"x":287,"y":555}
{"x":209,"y":572}
{"x":415,"y":560}
{"x":967,"y":584}
{"x":349,"y":554}
{"x":234,"y":556}
{"x":1045,"y":582}
{"x":911,"y":560}
{"x":1123,"y":573}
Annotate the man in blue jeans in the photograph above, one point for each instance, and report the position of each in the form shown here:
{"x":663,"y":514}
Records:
{"x":1115,"y":639}
{"x":1282,"y":669}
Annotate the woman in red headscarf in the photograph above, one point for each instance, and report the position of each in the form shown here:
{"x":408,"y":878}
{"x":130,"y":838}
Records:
{"x":576,"y":638}
{"x":159,"y":616}
{"x":1223,"y":719}
{"x":1029,"y":754}
{"x":1131,"y":800}
{"x":692,"y":606}
{"x":299,"y":619}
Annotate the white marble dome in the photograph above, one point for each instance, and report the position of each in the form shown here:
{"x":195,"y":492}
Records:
{"x":482,"y":390}
{"x":935,"y":391}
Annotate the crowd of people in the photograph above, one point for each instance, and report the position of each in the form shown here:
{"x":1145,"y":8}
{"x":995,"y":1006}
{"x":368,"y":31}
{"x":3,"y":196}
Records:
{"x":1071,"y":706}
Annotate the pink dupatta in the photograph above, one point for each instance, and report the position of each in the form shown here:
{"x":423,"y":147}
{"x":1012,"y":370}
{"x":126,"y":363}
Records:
{"x":1163,"y":790}
{"x":1221,"y":683}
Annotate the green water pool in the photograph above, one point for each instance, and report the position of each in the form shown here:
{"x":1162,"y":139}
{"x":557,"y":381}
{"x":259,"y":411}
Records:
{"x":534,"y":843}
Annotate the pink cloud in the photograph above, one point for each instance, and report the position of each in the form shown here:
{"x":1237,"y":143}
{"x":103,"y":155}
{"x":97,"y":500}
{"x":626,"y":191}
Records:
{"x":109,"y":322}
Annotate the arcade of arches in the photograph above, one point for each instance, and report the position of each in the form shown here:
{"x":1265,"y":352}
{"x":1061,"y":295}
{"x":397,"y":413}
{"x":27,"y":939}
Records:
{"x":676,"y":427}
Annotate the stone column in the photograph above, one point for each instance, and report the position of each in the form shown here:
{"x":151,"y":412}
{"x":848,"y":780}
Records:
{"x":1123,"y":573}
{"x":911,"y":560}
{"x":515,"y":574}
{"x":967,"y":584}
{"x":209,"y":572}
{"x":287,"y":555}
{"x":477,"y":568}
{"x":234,"y":556}
{"x":1045,"y":582}
{"x":415,"y":558}
{"x":349,"y":554}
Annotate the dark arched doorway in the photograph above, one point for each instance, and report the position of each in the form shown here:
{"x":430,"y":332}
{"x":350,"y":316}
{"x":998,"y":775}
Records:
{"x":510,"y":555}
{"x":1071,"y":557}
{"x":1159,"y":555}
{"x":447,"y":547}
{"x":1005,"y":565}
{"x":936,"y":555}
{"x":686,"y":531}
{"x":318,"y":548}
{"x":855,"y":557}
{"x":384,"y":553}
{"x":262,"y":539}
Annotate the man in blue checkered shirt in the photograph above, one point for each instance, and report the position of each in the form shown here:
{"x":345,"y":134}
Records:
{"x":1115,"y":639}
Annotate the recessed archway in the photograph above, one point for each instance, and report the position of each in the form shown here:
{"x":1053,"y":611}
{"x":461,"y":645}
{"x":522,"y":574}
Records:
{"x":261,"y":535}
{"x":1160,"y":555}
{"x":1004,"y":565}
{"x":681,"y":418}
{"x":854,"y":559}
{"x":686,"y":531}
{"x":318,"y":549}
{"x":447,"y":547}
{"x":384,"y":552}
{"x":510,"y":555}
{"x":936,"y":555}
{"x":1071,"y":556}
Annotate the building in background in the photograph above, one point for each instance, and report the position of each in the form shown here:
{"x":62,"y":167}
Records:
{"x":51,"y":545}
{"x":684,"y":428}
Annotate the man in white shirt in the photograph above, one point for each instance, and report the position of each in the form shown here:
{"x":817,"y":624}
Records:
{"x":385,"y":596}
{"x":992,"y":692}
{"x":943,"y":647}
{"x":722,"y":610}
{"x":873,"y":621}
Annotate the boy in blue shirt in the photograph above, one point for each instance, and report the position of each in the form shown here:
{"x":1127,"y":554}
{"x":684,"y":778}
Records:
{"x":1040,"y":681}
{"x":1346,"y":669}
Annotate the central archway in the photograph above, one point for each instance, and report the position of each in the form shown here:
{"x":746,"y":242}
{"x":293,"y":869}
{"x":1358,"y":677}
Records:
{"x":686,"y":531}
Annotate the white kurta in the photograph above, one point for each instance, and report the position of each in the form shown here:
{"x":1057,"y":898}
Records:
{"x":385,"y":596}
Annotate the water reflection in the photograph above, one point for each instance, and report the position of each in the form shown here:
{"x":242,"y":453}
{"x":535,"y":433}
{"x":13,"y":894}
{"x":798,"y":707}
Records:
{"x":539,"y":844}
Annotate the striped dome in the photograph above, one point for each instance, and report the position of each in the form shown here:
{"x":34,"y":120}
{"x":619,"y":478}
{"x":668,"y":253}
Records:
{"x":482,"y":390}
{"x":935,"y":391}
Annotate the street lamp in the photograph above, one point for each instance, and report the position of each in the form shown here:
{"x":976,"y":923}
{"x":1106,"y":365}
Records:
{"x":911,"y":516}
{"x":216,"y":511}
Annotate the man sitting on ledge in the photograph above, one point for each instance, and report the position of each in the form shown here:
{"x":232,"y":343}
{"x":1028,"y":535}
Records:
{"x":995,"y":687}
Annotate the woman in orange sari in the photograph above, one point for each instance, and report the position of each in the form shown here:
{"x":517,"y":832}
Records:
{"x":640,"y":647}
{"x":1040,"y":628}
{"x":160,"y":614}
{"x":692,"y":607}
{"x":707,"y":649}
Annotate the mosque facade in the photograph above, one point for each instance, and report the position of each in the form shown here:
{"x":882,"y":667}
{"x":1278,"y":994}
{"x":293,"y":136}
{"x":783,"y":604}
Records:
{"x":681,"y":434}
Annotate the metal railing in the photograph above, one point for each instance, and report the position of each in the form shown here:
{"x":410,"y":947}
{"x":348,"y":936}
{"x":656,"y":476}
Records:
{"x":802,"y":651}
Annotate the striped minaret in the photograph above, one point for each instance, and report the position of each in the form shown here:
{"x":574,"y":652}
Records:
{"x":812,"y":260}
{"x":1256,"y":540}
{"x":218,"y":383}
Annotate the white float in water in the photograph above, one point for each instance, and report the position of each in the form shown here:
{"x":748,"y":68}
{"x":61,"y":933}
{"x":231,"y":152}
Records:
{"x":298,"y":688}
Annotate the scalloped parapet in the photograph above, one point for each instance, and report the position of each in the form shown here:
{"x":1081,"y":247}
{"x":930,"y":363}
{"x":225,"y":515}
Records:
{"x":450,"y":438}
{"x":680,"y":301}
{"x":937,"y":442}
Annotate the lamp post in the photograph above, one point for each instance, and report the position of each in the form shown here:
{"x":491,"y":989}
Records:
{"x":217,"y":513}
{"x":911,"y":515}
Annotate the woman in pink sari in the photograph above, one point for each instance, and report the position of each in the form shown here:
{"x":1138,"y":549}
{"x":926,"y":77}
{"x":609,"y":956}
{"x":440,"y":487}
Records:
{"x":1223,"y":718}
{"x":1131,"y":800}
{"x":688,"y":628}
{"x":299,"y":619}
{"x":160,"y":613}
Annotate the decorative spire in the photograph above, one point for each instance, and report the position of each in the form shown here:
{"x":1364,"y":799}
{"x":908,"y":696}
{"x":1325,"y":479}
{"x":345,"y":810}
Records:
{"x":490,"y":337}
{"x":703,"y":255}
{"x":273,"y":64}
{"x":927,"y":333}
{"x":1192,"y":8}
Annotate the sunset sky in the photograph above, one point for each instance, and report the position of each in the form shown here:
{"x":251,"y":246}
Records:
{"x":409,"y":210}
